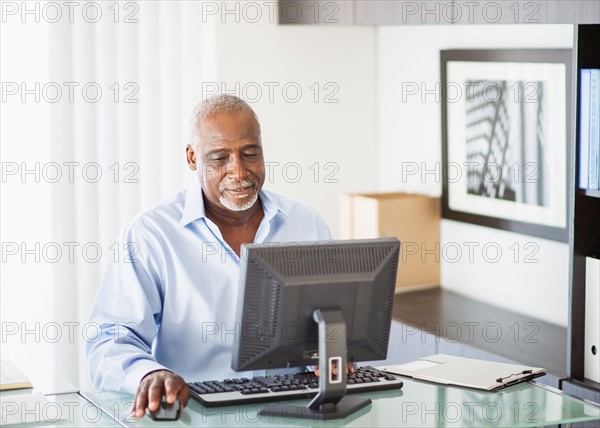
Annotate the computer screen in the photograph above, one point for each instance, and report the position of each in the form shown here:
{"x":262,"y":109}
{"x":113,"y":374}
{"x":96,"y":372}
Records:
{"x":323,"y":303}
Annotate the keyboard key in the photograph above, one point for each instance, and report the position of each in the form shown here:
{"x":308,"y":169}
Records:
{"x":197,"y":389}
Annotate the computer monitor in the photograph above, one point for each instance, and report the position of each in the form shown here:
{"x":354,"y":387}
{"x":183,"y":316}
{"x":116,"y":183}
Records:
{"x":325,"y":303}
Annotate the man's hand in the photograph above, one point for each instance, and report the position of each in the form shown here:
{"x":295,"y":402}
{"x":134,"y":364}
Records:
{"x":350,"y":369}
{"x":156,"y":384}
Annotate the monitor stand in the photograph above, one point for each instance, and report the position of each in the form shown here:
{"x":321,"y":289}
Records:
{"x":331,"y":401}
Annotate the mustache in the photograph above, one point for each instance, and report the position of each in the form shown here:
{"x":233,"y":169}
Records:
{"x":236,"y":186}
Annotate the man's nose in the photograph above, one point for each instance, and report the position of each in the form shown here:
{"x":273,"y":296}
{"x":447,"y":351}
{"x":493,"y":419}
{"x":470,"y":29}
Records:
{"x":236,"y":169}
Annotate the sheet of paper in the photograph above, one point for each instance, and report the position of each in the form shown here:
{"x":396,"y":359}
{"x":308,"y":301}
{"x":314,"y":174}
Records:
{"x":416,"y":365}
{"x":469,"y":372}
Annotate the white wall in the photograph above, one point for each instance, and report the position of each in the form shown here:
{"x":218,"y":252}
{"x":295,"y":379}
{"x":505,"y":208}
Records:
{"x":310,"y":130}
{"x":410,"y":134}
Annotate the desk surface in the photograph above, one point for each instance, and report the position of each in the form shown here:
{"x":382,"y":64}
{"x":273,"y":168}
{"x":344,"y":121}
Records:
{"x":70,"y":409}
{"x":417,"y":404}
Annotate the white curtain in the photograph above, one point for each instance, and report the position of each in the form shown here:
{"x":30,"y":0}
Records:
{"x":150,"y":73}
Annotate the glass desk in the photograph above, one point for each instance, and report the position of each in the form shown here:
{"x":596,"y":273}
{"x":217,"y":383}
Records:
{"x":51,"y":402}
{"x":58,"y":410}
{"x":416,"y":404}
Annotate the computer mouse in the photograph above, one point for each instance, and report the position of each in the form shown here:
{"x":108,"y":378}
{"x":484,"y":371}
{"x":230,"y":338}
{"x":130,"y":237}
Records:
{"x":166,"y":411}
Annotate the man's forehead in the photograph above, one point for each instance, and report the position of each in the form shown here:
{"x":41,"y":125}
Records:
{"x":229,"y":129}
{"x":223,"y":144}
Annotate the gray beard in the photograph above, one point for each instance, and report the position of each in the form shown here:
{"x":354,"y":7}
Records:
{"x":241,"y":206}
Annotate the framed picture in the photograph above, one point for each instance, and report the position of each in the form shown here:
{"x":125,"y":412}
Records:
{"x":506,"y":117}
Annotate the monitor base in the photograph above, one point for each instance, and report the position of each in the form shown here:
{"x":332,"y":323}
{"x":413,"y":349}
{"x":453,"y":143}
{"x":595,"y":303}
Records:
{"x":345,"y":407}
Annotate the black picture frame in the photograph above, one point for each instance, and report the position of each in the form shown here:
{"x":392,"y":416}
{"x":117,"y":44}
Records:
{"x":538,"y":207}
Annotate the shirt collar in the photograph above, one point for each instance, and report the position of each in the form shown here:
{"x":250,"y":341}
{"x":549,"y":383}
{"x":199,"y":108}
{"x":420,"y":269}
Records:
{"x":193,"y":208}
{"x":194,"y":205}
{"x":272,"y":205}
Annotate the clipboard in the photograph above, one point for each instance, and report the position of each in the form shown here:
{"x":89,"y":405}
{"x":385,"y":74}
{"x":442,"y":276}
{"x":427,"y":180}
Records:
{"x":467,"y":372}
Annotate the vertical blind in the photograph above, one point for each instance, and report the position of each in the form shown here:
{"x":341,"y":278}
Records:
{"x":126,"y":144}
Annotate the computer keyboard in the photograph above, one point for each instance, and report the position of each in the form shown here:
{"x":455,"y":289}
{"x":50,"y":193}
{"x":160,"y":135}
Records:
{"x":264,"y":389}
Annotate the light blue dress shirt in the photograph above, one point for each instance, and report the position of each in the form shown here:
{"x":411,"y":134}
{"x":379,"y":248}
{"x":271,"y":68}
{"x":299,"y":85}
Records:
{"x":171,"y":301}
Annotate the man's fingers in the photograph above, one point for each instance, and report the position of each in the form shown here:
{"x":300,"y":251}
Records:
{"x":177,"y":388}
{"x":172,"y":387}
{"x":155,"y":392}
{"x":184,"y":396}
{"x":141,"y":401}
{"x":152,"y":388}
{"x":350,"y":369}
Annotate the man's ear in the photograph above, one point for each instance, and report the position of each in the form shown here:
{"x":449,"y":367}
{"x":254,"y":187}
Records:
{"x":190,"y":154}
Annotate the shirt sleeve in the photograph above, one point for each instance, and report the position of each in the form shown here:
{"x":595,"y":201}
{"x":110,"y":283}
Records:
{"x":125,"y":315}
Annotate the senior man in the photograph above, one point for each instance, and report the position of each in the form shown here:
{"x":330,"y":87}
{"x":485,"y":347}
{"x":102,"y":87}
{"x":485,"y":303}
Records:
{"x":168,"y":311}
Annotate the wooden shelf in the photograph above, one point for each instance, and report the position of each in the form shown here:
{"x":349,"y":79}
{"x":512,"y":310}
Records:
{"x":522,"y":338}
